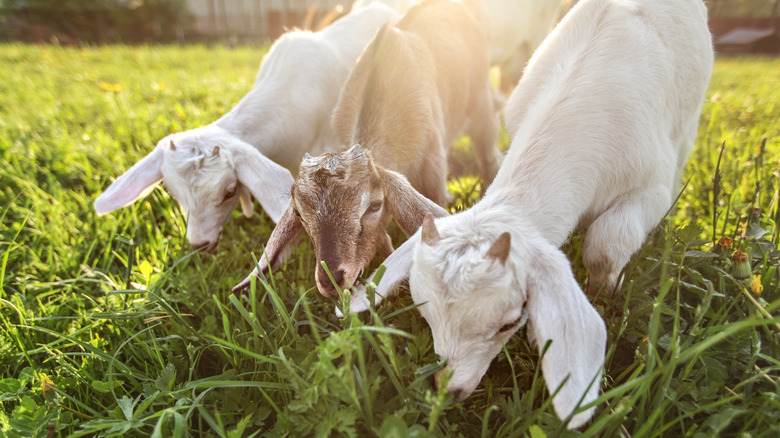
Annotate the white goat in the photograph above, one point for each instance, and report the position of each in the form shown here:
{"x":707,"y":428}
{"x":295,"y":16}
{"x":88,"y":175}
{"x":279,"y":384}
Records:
{"x":602,"y":124}
{"x":416,"y":87}
{"x":249,"y":149}
{"x":515,"y":29}
{"x":399,"y":5}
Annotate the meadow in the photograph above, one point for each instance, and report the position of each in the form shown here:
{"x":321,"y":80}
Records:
{"x":112,"y":326}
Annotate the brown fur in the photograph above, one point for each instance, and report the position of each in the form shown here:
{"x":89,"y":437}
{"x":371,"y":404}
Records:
{"x":415,"y":88}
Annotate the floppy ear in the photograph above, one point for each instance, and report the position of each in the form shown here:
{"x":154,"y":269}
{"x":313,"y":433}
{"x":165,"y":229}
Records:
{"x":269,"y":182}
{"x":134,"y":184}
{"x":559,"y":311}
{"x":283,"y":238}
{"x":406,"y":204}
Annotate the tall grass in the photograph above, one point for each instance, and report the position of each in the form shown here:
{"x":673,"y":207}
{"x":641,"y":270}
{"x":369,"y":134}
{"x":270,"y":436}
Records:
{"x":112,"y":326}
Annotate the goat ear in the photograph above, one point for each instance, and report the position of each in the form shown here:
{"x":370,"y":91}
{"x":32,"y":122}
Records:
{"x":283,"y":238}
{"x":429,"y":233}
{"x":406,"y":204}
{"x":269,"y":182}
{"x":500,"y":248}
{"x":558,"y":311}
{"x":245,"y":196}
{"x":134,"y":184}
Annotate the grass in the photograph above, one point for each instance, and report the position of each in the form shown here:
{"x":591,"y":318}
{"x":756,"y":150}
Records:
{"x":111,"y":326}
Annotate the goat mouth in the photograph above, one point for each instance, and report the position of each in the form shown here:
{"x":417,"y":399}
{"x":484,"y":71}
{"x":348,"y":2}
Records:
{"x":329,"y":290}
{"x":330,"y":293}
{"x":210,"y":249}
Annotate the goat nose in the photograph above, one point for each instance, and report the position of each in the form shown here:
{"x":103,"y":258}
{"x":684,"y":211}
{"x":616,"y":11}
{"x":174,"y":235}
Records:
{"x":458,"y":394}
{"x":207,"y":246}
{"x":200,"y":245}
{"x":327,"y":287}
{"x":338,"y":277}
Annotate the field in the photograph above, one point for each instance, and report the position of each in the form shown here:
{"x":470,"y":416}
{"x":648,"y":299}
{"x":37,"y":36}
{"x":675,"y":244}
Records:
{"x":111,"y":326}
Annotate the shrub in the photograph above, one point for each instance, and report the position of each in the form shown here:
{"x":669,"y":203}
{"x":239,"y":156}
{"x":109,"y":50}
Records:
{"x":99,"y":21}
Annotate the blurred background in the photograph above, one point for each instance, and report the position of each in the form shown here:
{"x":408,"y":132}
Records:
{"x":737,"y":25}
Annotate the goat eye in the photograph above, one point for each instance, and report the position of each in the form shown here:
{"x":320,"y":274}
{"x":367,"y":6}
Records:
{"x":374,"y":207}
{"x":508,"y":327}
{"x":230,"y":193}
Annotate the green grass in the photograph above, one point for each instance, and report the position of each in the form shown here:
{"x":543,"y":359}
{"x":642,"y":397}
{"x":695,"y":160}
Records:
{"x":111,"y":326}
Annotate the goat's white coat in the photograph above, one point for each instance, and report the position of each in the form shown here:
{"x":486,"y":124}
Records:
{"x":601,"y":123}
{"x":400,"y":6}
{"x":286,"y":114}
{"x":516,"y":28}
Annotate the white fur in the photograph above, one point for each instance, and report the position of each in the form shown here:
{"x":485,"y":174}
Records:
{"x":601,"y":123}
{"x":399,"y":5}
{"x":516,"y":28}
{"x":286,"y":114}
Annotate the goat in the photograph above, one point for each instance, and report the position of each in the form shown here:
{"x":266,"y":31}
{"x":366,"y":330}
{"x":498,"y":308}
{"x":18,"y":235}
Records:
{"x":415,"y":87}
{"x":515,"y":29}
{"x":399,"y":5}
{"x":602,"y":123}
{"x":248,"y":150}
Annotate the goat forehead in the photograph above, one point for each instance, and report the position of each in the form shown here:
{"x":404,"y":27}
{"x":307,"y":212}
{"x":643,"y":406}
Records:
{"x":335,"y":193}
{"x":341,"y":164}
{"x":461,"y":267}
{"x":457,"y":322}
{"x":194,"y":184}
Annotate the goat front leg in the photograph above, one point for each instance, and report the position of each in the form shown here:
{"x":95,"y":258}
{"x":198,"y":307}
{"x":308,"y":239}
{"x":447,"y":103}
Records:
{"x":619,"y":232}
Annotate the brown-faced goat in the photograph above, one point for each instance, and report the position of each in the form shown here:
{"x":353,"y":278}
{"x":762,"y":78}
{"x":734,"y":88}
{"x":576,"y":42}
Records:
{"x":247,"y":152}
{"x":601,"y":123}
{"x":413,"y":90}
